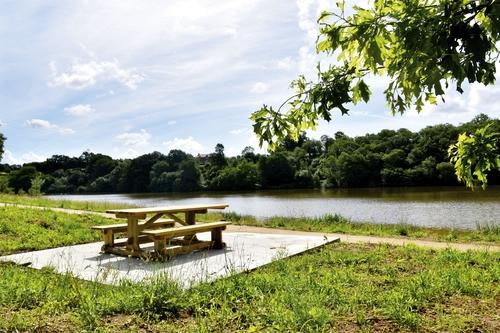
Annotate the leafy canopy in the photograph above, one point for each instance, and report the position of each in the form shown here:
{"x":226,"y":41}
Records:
{"x":475,"y":155}
{"x":422,"y":46}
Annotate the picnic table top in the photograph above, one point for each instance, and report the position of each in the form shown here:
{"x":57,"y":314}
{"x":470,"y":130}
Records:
{"x":168,"y":209}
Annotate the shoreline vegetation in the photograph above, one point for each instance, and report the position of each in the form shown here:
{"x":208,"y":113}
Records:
{"x":486,"y":233}
{"x":340,"y":287}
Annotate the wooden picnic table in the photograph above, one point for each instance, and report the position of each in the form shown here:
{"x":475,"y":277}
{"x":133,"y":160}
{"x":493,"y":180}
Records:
{"x":162,"y":232}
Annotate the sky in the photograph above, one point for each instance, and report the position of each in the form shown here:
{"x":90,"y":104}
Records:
{"x":128,"y":77}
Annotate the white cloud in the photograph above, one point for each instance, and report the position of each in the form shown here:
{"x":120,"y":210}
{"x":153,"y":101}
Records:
{"x":232,"y":151}
{"x":304,"y":16}
{"x":309,"y":11}
{"x":82,"y":75}
{"x":188,"y":144}
{"x":172,"y":122}
{"x":39,"y":123}
{"x":239,"y":131}
{"x":134,"y":139}
{"x":79,"y":110}
{"x":259,"y":88}
{"x":2,"y":123}
{"x":128,"y":153}
{"x":46,"y":125}
{"x":484,"y":98}
{"x":463,"y":107}
{"x":285,"y":63}
{"x":9,"y":158}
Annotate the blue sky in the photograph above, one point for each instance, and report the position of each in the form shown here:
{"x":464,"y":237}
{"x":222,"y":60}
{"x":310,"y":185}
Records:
{"x":124,"y":77}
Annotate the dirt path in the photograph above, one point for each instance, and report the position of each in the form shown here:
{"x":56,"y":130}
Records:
{"x":343,"y":237}
{"x":372,"y":239}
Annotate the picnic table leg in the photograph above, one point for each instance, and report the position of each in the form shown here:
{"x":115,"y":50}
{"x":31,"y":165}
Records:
{"x":132,"y":234}
{"x":109,"y":239}
{"x":190,"y":220}
{"x":217,"y":239}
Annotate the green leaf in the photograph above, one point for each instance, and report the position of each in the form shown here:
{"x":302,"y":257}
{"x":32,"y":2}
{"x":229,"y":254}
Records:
{"x":364,"y":90}
{"x":324,"y":16}
{"x":341,"y":5}
{"x":323,"y":46}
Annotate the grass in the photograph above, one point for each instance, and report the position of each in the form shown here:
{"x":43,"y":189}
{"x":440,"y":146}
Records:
{"x":68,"y":204}
{"x":339,"y":288}
{"x":25,"y":229}
{"x":342,"y":287}
{"x":337,"y":224}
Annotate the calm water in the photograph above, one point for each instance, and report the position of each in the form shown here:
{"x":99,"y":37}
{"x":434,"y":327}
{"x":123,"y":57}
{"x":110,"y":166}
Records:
{"x":435,"y":206}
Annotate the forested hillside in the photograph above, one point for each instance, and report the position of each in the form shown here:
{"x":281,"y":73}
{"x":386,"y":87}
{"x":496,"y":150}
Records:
{"x":388,"y":158}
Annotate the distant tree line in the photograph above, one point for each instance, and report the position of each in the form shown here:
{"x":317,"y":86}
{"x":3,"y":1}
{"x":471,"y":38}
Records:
{"x":388,"y":158}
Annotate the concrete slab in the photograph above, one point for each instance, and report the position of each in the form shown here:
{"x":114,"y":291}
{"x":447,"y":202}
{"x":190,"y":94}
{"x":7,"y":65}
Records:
{"x":245,"y":251}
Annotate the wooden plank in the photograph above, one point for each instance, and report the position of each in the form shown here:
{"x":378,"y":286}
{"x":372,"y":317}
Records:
{"x":176,"y":219}
{"x":122,"y":227}
{"x":186,"y":230}
{"x":169,"y":252}
{"x":199,"y":208}
{"x":141,"y":240}
{"x":121,"y":251}
{"x":150,"y":222}
{"x":126,"y":215}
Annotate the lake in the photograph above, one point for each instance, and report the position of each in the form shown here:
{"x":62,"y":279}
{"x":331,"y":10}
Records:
{"x":424,"y":206}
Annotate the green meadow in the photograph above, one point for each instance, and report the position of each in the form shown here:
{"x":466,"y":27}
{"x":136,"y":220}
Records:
{"x":341,"y":287}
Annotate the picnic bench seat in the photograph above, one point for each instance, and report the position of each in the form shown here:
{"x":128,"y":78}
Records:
{"x":109,"y":230}
{"x":164,"y":237}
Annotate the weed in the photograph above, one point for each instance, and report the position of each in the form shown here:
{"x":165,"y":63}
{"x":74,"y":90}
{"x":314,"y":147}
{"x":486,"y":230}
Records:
{"x":162,"y":298}
{"x":402,"y":230}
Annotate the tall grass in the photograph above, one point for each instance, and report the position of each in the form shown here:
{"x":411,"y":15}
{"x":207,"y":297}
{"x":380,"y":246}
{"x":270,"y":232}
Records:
{"x":489,"y":229}
{"x":55,"y":203}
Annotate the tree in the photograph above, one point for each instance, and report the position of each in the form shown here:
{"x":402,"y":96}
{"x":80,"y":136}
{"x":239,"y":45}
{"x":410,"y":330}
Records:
{"x":421,"y":46}
{"x":99,"y":165}
{"x":175,"y":157}
{"x":138,"y":171}
{"x":189,"y":179}
{"x":218,"y":159}
{"x":275,"y":170}
{"x":248,"y":153}
{"x":157,"y":180}
{"x":243,"y":176}
{"x":36,"y":185}
{"x":2,"y":141}
{"x":21,"y":179}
